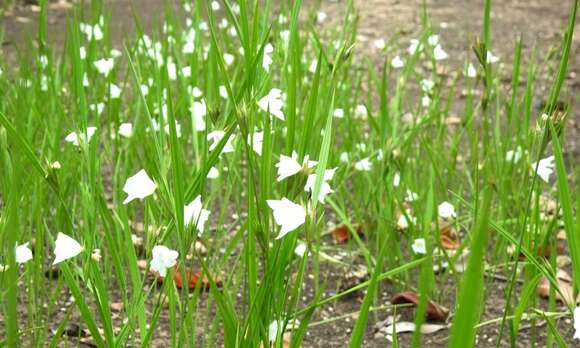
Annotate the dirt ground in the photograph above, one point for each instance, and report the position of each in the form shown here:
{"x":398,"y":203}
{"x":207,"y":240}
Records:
{"x":540,"y":24}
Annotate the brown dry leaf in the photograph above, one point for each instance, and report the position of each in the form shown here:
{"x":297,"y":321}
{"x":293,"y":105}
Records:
{"x":564,"y":283}
{"x":448,"y":236}
{"x":192,"y":279}
{"x":142,"y":264}
{"x":547,"y":252}
{"x":434,"y":311}
{"x":452,"y":121}
{"x":116,"y":306}
{"x":341,"y":233}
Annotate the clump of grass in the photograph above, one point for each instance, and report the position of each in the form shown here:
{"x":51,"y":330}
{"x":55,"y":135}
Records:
{"x":212,"y":152}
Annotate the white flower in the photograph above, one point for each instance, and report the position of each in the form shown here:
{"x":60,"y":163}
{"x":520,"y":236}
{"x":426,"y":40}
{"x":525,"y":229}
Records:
{"x":256,"y":141}
{"x":446,"y":210}
{"x":115,"y":53}
{"x":98,"y":108}
{"x":471,"y":71}
{"x":514,"y":155}
{"x":273,"y":103}
{"x":273,"y":329}
{"x":144,"y":90}
{"x":215,"y":6}
{"x":104,"y":66}
{"x":419,"y":246}
{"x":411,"y":196}
{"x":403,"y":223}
{"x":414,"y":46}
{"x":313,"y":66}
{"x":138,"y":186}
{"x":300,"y":249}
{"x":22,"y":253}
{"x":287,"y":214}
{"x":363,"y":165}
{"x":65,"y":248}
{"x":126,"y":130}
{"x":163,"y":258}
{"x":397,"y":62}
{"x":397,"y":180}
{"x":76,"y":139}
{"x":194,"y":91}
{"x":427,"y":85}
{"x":223,"y":91}
{"x":325,"y":189}
{"x":545,"y":168}
{"x":198,"y":110}
{"x":338,"y":113}
{"x":439,"y":53}
{"x":193,"y":213}
{"x":344,"y":157}
{"x":228,"y":59}
{"x":380,"y":44}
{"x":491,"y":59}
{"x":433,"y":40}
{"x":171,"y":71}
{"x":267,"y":59}
{"x":425,"y":101}
{"x":577,"y":323}
{"x":115,"y":91}
{"x":215,"y":138}
{"x":213,"y":173}
{"x":321,"y":16}
{"x":288,"y":166}
{"x":96,"y":255}
{"x":360,"y":111}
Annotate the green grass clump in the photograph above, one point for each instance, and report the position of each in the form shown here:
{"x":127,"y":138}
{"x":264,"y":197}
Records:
{"x":186,"y":177}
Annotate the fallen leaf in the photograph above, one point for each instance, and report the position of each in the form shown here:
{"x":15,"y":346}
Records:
{"x":192,"y":278}
{"x":407,"y":326}
{"x":448,"y":236}
{"x":566,"y":294}
{"x":116,"y":306}
{"x":341,"y":233}
{"x":434,"y":311}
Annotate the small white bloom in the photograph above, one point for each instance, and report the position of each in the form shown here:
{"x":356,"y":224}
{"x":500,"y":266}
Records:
{"x":65,"y":248}
{"x":215,"y":137}
{"x":144,"y":90}
{"x":344,"y":157}
{"x":439,"y":53}
{"x":171,"y":71}
{"x":491,"y":59}
{"x":138,"y":186}
{"x":228,"y":59}
{"x":545,"y":168}
{"x":76,"y":139}
{"x":300,"y":249}
{"x":287,"y":214}
{"x":83,"y":52}
{"x":126,"y":130}
{"x":273,"y":103}
{"x":433,"y":40}
{"x":162,"y":259}
{"x":22,"y":253}
{"x":213,"y":173}
{"x":115,"y":91}
{"x":256,"y":141}
{"x":273,"y":329}
{"x":104,"y":66}
{"x":397,"y":62}
{"x":325,"y":189}
{"x":446,"y":210}
{"x":360,"y":111}
{"x":223,"y":91}
{"x":96,"y":255}
{"x":194,"y":91}
{"x":98,"y":108}
{"x":115,"y":53}
{"x":425,"y":101}
{"x":427,"y":85}
{"x":363,"y":165}
{"x":288,"y":166}
{"x":193,"y":213}
{"x":321,"y":16}
{"x":471,"y":71}
{"x":397,"y":180}
{"x":514,"y":155}
{"x":411,"y":196}
{"x":198,"y":111}
{"x":338,"y":113}
{"x":403,"y":223}
{"x":577,"y":323}
{"x":380,"y":44}
{"x":215,"y":6}
{"x":414,"y":46}
{"x":55,"y":165}
{"x":419,"y":246}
